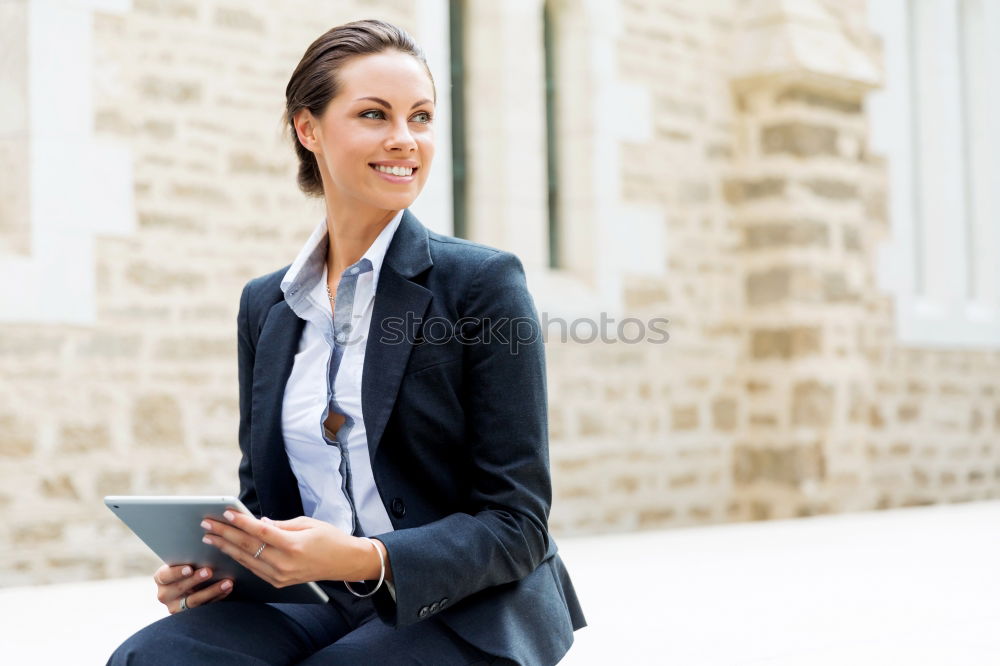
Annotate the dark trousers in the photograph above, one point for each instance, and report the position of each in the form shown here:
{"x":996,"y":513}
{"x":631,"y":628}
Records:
{"x":344,"y":631}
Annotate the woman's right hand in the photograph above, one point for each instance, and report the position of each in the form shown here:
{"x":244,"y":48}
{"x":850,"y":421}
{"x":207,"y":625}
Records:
{"x":175,"y":583}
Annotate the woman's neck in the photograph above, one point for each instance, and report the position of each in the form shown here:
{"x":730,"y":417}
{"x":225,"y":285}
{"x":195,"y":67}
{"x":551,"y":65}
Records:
{"x":349,"y":240}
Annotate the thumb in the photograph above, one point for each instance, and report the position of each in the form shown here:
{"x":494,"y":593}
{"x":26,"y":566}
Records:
{"x":300,"y":523}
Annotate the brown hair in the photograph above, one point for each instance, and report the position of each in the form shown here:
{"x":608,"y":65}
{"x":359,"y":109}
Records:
{"x":314,"y":82}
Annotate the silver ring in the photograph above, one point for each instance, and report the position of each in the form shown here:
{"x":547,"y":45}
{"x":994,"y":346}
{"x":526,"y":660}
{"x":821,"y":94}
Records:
{"x":259,"y":551}
{"x":184,"y":603}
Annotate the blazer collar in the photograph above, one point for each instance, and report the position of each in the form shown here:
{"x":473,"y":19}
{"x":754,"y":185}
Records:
{"x":409,"y":251}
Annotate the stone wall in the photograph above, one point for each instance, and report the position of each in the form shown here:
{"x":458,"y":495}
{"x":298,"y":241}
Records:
{"x":145,"y":400}
{"x":782,"y":391}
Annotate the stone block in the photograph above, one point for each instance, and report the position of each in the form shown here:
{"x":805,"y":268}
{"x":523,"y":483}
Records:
{"x":836,"y":289}
{"x":760,"y":510}
{"x":819,"y":99}
{"x":763,"y":419}
{"x":157,"y":421}
{"x":196,"y":349}
{"x":37,"y":533}
{"x":851,"y":238}
{"x":175,"y":479}
{"x":113,"y":482}
{"x":591,"y":424}
{"x":724,"y":414}
{"x":900,"y":450}
{"x":59,"y":487}
{"x":828,"y":188}
{"x":784,"y":466}
{"x":769,"y":287}
{"x":908,"y":412}
{"x":234,"y":18}
{"x":159,"y":220}
{"x":625,"y":484}
{"x":685,"y":417}
{"x":157,"y":279}
{"x":875,"y":419}
{"x":109,"y":345}
{"x":737,"y":191}
{"x":166,"y":8}
{"x":792,"y":233}
{"x":683,"y":481}
{"x":16,"y":437}
{"x":812,"y":404}
{"x":655,"y":517}
{"x":799,"y":139}
{"x":84,"y":438}
{"x":786,"y":343}
{"x":700,"y":514}
{"x":156,"y":89}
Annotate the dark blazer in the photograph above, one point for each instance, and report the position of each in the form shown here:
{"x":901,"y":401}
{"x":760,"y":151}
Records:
{"x":457,"y":434}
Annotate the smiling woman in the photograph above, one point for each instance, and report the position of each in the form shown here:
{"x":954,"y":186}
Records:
{"x":410,"y":480}
{"x":344,"y":143}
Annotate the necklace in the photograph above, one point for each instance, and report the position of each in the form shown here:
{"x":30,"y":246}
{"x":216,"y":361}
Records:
{"x":332,"y":298}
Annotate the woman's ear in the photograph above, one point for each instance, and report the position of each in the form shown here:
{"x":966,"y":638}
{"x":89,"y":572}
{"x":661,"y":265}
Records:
{"x":307,"y":130}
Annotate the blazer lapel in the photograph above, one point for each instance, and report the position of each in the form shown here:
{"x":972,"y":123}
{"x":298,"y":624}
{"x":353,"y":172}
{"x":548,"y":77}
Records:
{"x":400,"y":305}
{"x":277,"y":487}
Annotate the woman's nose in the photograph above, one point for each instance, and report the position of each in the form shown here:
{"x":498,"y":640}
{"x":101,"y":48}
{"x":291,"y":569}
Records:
{"x":400,"y":137}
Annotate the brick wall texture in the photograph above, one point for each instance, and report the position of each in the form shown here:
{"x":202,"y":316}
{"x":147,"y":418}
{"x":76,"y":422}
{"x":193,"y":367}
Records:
{"x":782,"y":392}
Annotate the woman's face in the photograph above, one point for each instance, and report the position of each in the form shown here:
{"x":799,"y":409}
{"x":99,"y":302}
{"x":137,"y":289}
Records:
{"x":382,"y":115}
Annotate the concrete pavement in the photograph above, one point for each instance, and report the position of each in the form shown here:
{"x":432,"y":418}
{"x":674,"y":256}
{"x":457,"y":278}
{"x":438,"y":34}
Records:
{"x":908,"y":586}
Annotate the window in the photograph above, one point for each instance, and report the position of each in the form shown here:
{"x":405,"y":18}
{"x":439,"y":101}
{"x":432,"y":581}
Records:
{"x":934,"y":122}
{"x":75,"y":185}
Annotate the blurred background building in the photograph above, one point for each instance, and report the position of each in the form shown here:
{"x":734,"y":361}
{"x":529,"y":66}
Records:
{"x":806,"y":189}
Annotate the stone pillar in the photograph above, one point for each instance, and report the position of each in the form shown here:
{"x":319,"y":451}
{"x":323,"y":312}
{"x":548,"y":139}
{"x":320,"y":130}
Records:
{"x":796,"y":198}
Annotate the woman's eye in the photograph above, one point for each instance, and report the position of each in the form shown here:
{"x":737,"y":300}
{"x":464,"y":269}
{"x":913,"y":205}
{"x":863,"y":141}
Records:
{"x":381,"y":114}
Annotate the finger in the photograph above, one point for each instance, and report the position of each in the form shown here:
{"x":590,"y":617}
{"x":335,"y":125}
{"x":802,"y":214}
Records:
{"x":168,"y":595}
{"x":265,"y":531}
{"x":215,"y":592}
{"x":198,"y":578}
{"x":258,"y":565}
{"x":237,"y":530}
{"x":245,"y":541}
{"x":167,"y":575}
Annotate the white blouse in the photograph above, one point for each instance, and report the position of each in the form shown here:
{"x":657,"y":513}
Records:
{"x":333,"y":468}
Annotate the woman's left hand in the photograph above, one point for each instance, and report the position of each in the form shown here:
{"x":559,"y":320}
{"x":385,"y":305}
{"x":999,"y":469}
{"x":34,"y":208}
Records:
{"x":295,"y":551}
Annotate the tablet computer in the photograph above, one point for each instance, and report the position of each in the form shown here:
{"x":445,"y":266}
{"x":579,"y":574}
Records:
{"x":171,"y":527}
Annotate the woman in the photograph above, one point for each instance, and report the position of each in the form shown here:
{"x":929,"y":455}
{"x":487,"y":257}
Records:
{"x":392,"y":414}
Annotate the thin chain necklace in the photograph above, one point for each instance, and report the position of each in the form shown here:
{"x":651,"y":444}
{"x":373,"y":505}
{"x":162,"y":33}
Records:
{"x":332,"y":298}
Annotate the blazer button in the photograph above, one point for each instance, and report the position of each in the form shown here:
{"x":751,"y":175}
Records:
{"x":398,"y":508}
{"x":434,"y":606}
{"x":443,"y":602}
{"x":423,"y":612}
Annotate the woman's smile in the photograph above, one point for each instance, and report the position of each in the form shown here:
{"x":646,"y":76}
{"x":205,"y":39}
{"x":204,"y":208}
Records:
{"x":395,"y":174}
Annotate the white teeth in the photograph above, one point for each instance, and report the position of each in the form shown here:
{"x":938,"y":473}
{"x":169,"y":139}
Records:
{"x":396,"y":171}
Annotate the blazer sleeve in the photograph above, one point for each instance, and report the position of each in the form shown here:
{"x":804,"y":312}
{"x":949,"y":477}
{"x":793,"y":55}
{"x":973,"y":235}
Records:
{"x":245,"y":359}
{"x":504,"y":535}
